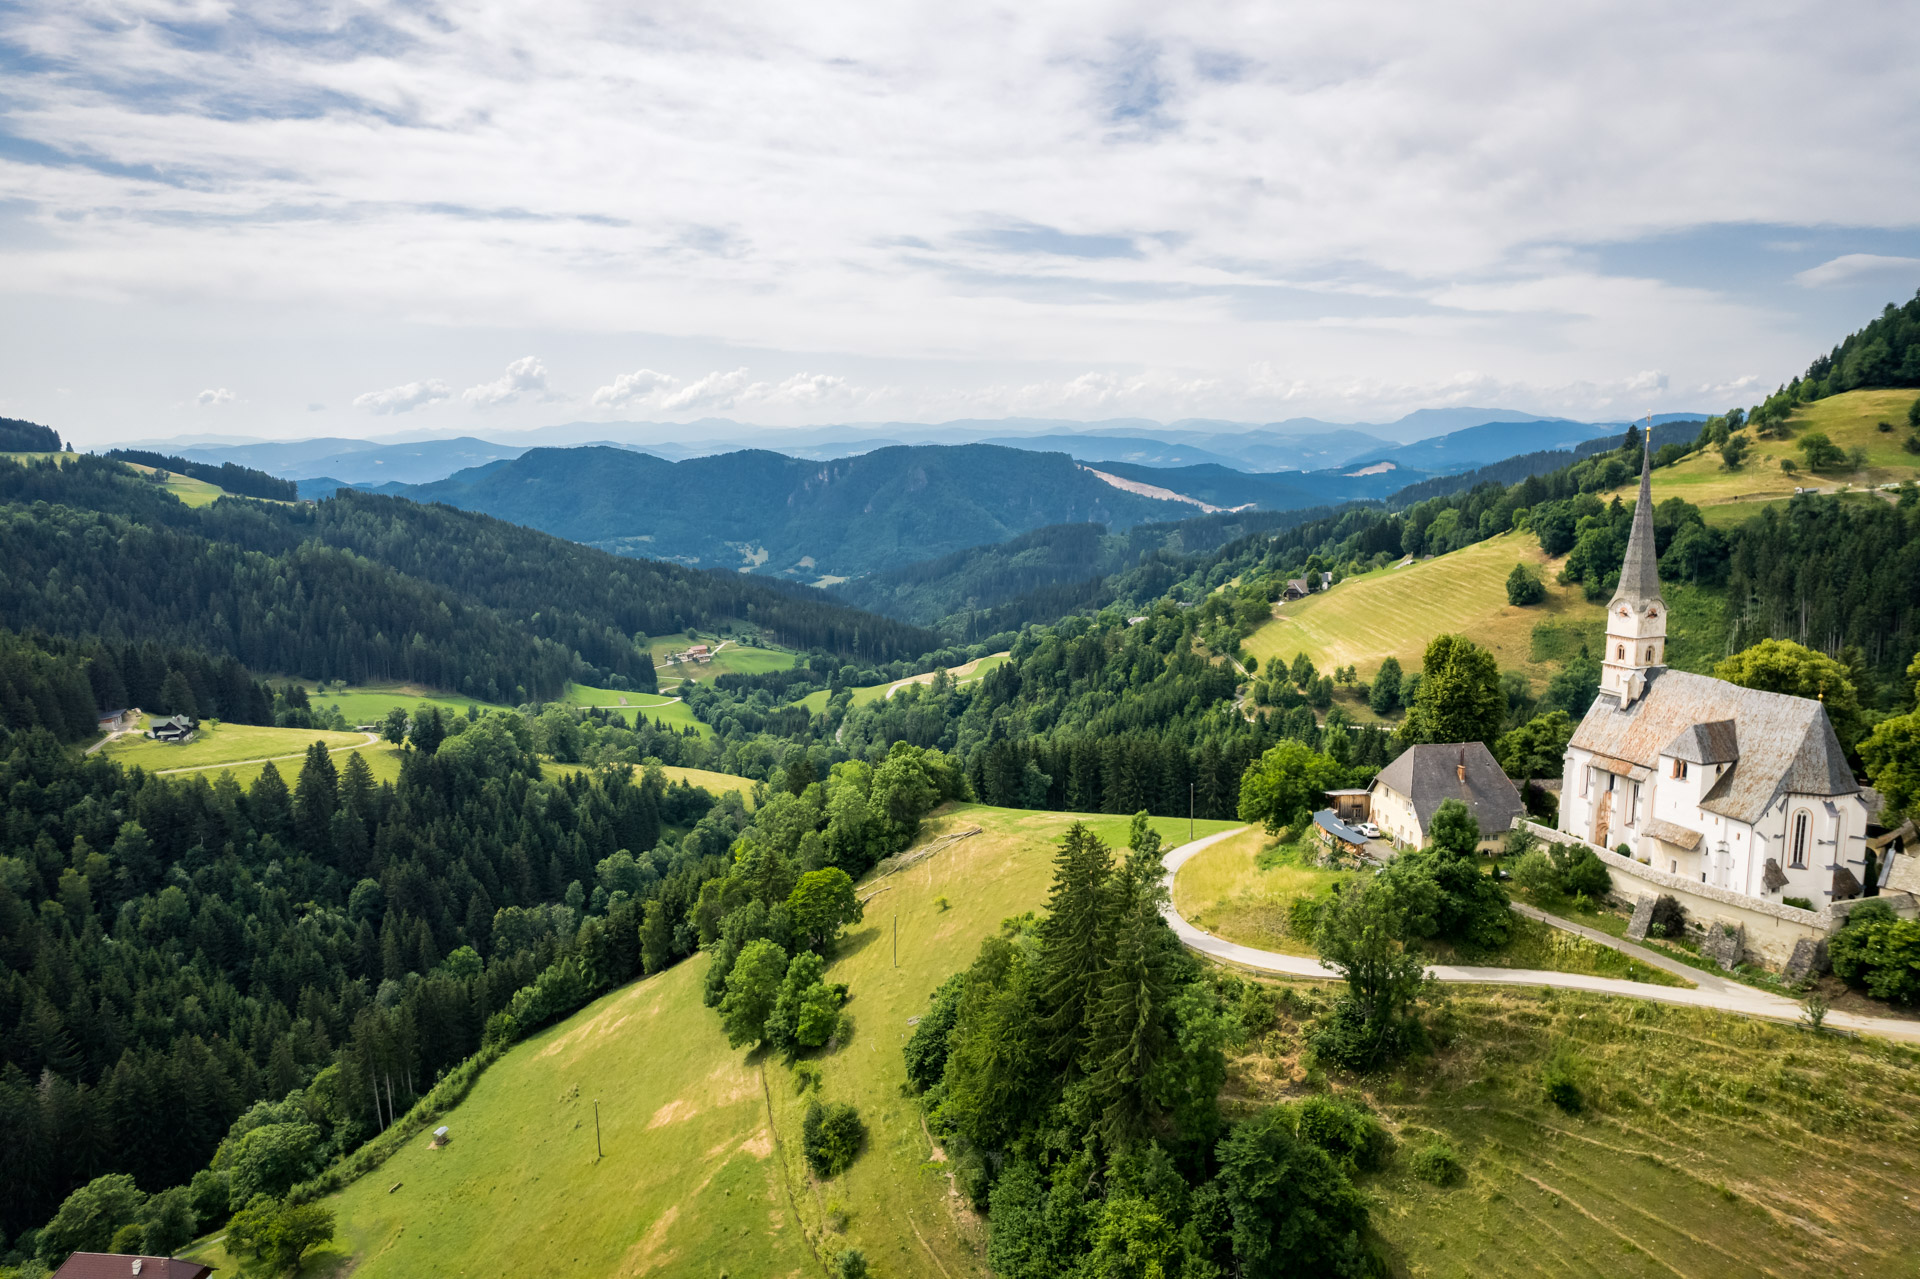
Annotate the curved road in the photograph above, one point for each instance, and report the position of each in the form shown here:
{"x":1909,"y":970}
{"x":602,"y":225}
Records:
{"x":1711,"y":991}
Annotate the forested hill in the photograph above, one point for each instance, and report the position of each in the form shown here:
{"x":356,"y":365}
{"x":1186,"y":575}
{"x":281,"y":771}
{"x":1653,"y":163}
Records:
{"x":368,"y":588}
{"x":27,"y":437}
{"x":789,"y":516}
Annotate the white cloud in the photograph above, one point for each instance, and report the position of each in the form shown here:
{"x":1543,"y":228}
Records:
{"x":1849,"y":267}
{"x":1363,"y":199}
{"x":525,"y":376}
{"x":403,"y":399}
{"x":714,"y":391}
{"x":629,"y":387}
{"x":216,"y":395}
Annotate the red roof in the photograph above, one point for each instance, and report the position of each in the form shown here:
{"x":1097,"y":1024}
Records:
{"x":113,"y":1265}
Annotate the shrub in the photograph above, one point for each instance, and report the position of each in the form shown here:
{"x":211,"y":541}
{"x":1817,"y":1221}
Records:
{"x":1911,"y":444}
{"x":1524,"y":587}
{"x":1560,"y":1078}
{"x":1345,"y":1131}
{"x":1669,"y":918}
{"x":1802,"y":902}
{"x":1536,"y":873}
{"x":1879,"y":952}
{"x":1583,"y":873}
{"x":831,"y":1136}
{"x":806,"y":1076}
{"x":852,"y":1265}
{"x":1436,"y":1162}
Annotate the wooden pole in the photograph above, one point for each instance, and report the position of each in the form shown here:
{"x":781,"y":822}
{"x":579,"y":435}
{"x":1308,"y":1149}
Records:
{"x":896,"y":939}
{"x":1189,"y":812}
{"x":597,"y":1152}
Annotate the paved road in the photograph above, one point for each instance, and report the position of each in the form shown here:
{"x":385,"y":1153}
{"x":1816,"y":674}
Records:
{"x":1711,"y":991}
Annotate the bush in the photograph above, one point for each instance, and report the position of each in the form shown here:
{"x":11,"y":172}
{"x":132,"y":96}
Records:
{"x":1436,"y":1162}
{"x":1669,"y":918}
{"x":1536,"y":873}
{"x":1802,"y":902}
{"x":832,"y":1136}
{"x":1524,"y":587}
{"x":1345,"y":1131}
{"x":1879,"y":952}
{"x":852,"y":1265}
{"x":1560,"y":1078}
{"x":1582,"y":872}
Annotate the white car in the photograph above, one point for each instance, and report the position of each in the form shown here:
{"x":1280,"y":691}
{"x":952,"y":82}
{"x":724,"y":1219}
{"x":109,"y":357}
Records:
{"x":1368,"y":829}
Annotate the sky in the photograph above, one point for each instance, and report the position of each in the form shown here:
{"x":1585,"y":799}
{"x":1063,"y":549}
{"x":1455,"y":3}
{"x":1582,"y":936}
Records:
{"x":333,"y":219}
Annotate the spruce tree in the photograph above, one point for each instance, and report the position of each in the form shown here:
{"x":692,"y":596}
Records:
{"x":1074,"y":937}
{"x":1128,"y":1031}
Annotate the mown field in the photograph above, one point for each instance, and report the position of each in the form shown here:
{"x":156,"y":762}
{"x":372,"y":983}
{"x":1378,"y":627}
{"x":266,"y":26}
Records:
{"x":189,"y":490}
{"x":369,"y":704}
{"x":223,"y":744}
{"x":1396,"y":611}
{"x":965,"y":673}
{"x":1850,"y":420}
{"x":1708,"y":1146}
{"x":733,"y":659}
{"x":705,"y":779}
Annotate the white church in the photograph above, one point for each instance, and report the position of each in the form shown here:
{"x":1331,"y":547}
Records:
{"x":1721,"y":785}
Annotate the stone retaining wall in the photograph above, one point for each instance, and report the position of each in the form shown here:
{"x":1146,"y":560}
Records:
{"x":1771,"y":929}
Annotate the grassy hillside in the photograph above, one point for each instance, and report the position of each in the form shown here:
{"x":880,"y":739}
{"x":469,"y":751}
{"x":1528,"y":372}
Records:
{"x":224,"y":744}
{"x":965,"y":673}
{"x":189,"y":490}
{"x":1398,"y":610}
{"x":1710,"y":1146}
{"x":733,"y":658}
{"x":369,"y":704}
{"x":1850,"y":420}
{"x":688,"y":1183}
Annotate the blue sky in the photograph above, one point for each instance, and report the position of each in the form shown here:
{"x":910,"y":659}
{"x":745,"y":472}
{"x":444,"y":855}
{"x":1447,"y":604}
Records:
{"x":353,"y":219}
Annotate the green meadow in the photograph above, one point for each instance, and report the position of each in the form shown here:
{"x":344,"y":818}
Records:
{"x":219,"y":743}
{"x":1706,"y":1145}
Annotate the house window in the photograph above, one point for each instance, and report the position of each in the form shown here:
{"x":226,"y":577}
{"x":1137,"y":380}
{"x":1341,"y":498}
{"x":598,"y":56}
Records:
{"x":1680,"y":769}
{"x":1800,"y":823}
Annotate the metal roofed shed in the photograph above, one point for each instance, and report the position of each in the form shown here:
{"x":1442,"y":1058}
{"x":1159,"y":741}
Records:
{"x":1337,"y":835}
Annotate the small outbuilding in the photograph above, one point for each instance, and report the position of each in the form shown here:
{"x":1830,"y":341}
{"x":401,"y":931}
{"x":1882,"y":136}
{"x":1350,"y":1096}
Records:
{"x":118,"y":721}
{"x":1336,"y":837}
{"x":1351,"y":806}
{"x":1409,"y":791}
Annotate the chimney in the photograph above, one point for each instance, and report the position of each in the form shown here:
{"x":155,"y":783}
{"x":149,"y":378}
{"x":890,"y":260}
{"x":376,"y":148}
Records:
{"x":1462,"y":767}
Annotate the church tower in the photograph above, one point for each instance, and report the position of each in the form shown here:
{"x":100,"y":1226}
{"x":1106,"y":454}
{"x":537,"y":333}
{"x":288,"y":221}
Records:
{"x":1637,"y":616}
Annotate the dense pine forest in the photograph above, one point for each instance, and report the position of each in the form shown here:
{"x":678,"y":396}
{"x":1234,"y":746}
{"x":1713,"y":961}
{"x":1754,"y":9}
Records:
{"x":365,"y":588}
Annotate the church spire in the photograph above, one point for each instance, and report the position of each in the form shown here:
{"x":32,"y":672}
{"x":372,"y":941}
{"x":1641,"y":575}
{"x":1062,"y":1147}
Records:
{"x":1640,"y":571}
{"x":1637,"y":617}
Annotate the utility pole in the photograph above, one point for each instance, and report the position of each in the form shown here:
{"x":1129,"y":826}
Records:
{"x":597,"y":1152}
{"x":1189,"y":812}
{"x":896,"y":939}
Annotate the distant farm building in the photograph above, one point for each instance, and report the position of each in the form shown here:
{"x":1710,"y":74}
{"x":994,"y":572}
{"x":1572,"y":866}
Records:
{"x":119,"y":721}
{"x":174,"y":728}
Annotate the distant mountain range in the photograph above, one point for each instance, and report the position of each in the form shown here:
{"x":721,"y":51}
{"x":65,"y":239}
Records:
{"x":764,"y":512}
{"x":1297,"y":444}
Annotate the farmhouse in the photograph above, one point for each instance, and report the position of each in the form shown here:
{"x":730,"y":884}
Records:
{"x":113,"y":1265}
{"x":1409,"y":791}
{"x":1742,"y":790}
{"x":174,"y":728}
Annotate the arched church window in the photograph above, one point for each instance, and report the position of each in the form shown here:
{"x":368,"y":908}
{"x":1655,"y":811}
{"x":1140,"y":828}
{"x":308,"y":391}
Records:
{"x":1649,"y":652}
{"x":1620,"y":651}
{"x":1799,"y":843}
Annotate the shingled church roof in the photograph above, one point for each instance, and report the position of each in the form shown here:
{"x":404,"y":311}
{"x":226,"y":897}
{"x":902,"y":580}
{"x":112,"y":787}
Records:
{"x":1777,"y":743}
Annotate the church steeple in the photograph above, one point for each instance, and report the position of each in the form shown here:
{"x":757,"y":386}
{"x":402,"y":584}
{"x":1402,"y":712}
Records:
{"x":1637,"y":615}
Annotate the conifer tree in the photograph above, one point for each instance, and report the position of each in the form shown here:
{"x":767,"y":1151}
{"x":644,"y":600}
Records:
{"x":315,"y":798}
{"x":1128,"y":1031}
{"x":1074,"y":935}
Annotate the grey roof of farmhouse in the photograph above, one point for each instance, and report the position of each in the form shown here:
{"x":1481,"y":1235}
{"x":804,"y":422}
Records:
{"x":1430,"y":775}
{"x":1782,"y":744}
